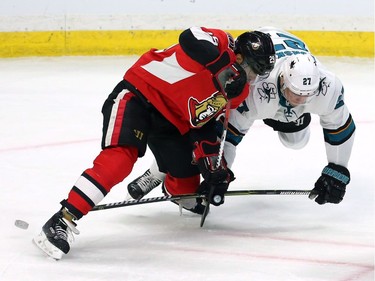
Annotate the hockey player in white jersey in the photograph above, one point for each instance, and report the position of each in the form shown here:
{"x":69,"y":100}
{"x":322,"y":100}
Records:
{"x":297,"y":87}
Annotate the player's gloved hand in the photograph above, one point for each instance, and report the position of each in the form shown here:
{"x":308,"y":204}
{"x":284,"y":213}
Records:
{"x":206,"y":156}
{"x":216,"y":175}
{"x":235,"y":85}
{"x":228,"y":77}
{"x":331,"y":185}
{"x":218,"y":190}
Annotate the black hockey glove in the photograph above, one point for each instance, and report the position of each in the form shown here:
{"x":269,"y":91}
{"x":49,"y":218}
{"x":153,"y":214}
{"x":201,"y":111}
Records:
{"x":206,"y":156}
{"x":216,"y":175}
{"x":219,"y":189}
{"x":230,"y":78}
{"x":331,"y":186}
{"x":235,"y":85}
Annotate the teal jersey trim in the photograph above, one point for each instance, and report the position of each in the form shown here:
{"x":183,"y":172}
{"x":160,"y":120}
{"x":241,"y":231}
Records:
{"x":340,"y":135}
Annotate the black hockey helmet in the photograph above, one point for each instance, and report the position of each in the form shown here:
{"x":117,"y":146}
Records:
{"x":257,"y":50}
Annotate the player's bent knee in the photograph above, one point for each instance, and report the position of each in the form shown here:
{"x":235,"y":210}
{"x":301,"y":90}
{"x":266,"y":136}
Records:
{"x":177,"y":186}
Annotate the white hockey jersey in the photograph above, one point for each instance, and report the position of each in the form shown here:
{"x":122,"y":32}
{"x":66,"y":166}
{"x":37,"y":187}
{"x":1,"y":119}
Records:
{"x":265,"y":101}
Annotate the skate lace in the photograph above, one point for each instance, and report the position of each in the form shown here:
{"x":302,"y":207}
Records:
{"x":66,"y":231}
{"x":148,"y":182}
{"x":70,"y":235}
{"x":61,"y":233}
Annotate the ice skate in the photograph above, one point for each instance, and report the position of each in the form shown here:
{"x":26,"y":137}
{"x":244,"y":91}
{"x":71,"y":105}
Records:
{"x":56,"y":236}
{"x":194,"y":205}
{"x":142,"y":185}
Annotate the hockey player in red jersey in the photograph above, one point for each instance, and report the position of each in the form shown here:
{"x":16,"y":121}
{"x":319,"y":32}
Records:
{"x":169,"y":99}
{"x":255,"y":52}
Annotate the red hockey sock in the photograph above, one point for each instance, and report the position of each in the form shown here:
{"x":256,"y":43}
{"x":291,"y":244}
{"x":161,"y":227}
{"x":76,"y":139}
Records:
{"x":177,"y":186}
{"x":111,"y":167}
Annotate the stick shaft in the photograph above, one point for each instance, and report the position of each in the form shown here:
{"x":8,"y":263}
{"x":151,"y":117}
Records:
{"x":189,"y":196}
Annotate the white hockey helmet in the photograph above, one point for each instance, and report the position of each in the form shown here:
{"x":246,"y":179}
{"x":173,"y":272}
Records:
{"x":301,"y":75}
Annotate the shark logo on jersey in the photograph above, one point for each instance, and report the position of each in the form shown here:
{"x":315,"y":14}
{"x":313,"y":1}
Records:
{"x":202,"y":112}
{"x":323,"y":86}
{"x":289,"y":112}
{"x":267,"y":92}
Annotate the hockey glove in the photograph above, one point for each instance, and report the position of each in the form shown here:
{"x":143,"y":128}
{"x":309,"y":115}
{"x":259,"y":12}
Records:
{"x":331,"y":186}
{"x":230,"y":78}
{"x":235,"y":85}
{"x":216,"y":175}
{"x":219,"y":189}
{"x":206,"y":156}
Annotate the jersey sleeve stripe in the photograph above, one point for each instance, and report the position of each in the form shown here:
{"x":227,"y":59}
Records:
{"x":233,"y":135}
{"x":340,"y":135}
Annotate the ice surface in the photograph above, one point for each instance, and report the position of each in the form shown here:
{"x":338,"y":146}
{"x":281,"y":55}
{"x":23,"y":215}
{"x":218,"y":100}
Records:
{"x":50,"y":124}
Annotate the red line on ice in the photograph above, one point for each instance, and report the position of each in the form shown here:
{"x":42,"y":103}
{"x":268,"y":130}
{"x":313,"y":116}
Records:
{"x":26,"y":147}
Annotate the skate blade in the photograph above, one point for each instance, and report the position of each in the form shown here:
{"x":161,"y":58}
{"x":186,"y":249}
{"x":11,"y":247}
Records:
{"x":47,"y":247}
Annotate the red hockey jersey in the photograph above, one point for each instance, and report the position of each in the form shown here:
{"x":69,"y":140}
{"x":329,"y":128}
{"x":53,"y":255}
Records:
{"x":179,"y":85}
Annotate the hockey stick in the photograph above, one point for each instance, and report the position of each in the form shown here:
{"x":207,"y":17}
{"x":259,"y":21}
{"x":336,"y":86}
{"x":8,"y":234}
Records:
{"x":190,"y":196}
{"x":221,"y":152}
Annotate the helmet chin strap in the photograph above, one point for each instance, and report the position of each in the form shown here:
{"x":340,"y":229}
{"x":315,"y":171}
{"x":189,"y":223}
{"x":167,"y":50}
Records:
{"x":282,"y":84}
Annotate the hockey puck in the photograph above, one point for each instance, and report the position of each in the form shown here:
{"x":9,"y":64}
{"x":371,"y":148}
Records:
{"x":21,"y":224}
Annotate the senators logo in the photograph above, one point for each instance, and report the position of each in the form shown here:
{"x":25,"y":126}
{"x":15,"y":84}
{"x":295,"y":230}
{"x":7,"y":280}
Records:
{"x":202,"y":112}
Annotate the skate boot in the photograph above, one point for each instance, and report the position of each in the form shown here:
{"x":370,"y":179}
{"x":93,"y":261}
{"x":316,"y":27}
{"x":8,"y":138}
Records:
{"x":142,"y":185}
{"x":194,"y":205}
{"x":56,"y":236}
